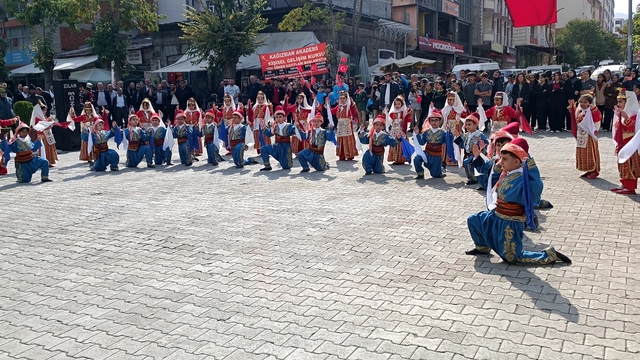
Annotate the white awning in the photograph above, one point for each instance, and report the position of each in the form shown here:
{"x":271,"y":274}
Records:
{"x":74,"y":62}
{"x":25,"y":70}
{"x":269,"y":42}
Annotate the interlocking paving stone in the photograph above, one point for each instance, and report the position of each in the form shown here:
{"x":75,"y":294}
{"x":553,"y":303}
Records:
{"x":219,"y":263}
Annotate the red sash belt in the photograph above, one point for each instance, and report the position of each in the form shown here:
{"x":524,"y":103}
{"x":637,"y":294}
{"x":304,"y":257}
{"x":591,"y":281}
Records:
{"x":133,"y":145}
{"x":283,"y":139}
{"x":208,"y":139}
{"x":158,"y":142}
{"x":510,"y":209}
{"x":100,"y":148}
{"x":233,"y":143}
{"x":23,"y":157}
{"x":316,"y":150}
{"x":182,"y":140}
{"x":433,"y":149}
{"x":378,"y":150}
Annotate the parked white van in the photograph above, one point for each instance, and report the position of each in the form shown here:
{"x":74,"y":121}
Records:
{"x":477,"y":68}
{"x":615,"y":69}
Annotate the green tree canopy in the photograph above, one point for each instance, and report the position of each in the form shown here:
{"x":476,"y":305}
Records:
{"x":113,"y":18}
{"x":222,"y":35}
{"x":584,"y":41}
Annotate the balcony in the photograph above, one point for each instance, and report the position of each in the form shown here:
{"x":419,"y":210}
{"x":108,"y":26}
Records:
{"x":487,"y":35}
{"x":533,"y":41}
{"x":489,"y":6}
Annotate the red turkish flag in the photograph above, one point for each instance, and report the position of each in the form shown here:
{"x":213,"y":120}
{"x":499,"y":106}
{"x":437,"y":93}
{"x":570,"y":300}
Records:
{"x":532,"y":13}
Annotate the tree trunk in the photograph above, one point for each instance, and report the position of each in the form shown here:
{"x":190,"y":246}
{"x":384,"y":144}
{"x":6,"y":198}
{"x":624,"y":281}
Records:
{"x":229,"y":71}
{"x":48,"y":79}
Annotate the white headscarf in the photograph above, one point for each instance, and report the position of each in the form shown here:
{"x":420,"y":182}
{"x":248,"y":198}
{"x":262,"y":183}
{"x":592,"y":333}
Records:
{"x":505,"y":99}
{"x":457,"y":106}
{"x":402,"y":110}
{"x":150,"y":110}
{"x":631,"y":107}
{"x":305,"y":104}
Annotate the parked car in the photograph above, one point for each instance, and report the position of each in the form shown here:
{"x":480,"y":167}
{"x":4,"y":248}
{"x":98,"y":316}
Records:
{"x":591,"y":68}
{"x":615,"y":69}
{"x":478,"y":68}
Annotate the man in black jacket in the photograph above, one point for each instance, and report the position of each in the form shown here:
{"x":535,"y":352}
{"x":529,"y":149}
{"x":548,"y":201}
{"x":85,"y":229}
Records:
{"x":498,"y":84}
{"x":120,"y":106}
{"x":388,"y":92}
{"x":162,"y":99}
{"x":101,"y":98}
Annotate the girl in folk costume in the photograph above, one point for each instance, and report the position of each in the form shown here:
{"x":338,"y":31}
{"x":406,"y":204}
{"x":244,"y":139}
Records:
{"x":259,"y":117}
{"x":377,"y":139}
{"x":452,"y":113}
{"x":625,"y":127}
{"x":6,"y":123}
{"x":144,"y":114}
{"x":347,"y":113}
{"x":400,"y":117}
{"x":300,"y":112}
{"x":510,"y":207}
{"x":501,"y":114}
{"x":586,"y":118}
{"x":97,"y":138}
{"x":86,"y":120}
{"x":26,"y":162}
{"x":194,"y":119}
{"x":226,"y":114}
{"x":43,"y":126}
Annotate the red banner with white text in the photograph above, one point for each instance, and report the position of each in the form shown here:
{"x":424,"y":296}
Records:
{"x":306,"y":61}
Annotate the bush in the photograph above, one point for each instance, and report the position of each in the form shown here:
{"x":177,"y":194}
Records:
{"x":24,"y":110}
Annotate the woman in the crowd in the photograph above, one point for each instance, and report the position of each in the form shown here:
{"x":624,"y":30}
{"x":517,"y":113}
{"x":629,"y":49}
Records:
{"x":557,"y":103}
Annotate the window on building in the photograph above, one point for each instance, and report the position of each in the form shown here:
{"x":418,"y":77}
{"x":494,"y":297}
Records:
{"x":445,"y":28}
{"x":18,"y":38}
{"x":464,"y":33}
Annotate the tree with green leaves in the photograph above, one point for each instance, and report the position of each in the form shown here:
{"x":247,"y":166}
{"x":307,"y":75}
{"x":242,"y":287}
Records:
{"x":222,"y":35}
{"x":116,"y":17}
{"x":3,"y":47}
{"x":584,"y":41}
{"x":46,"y":15}
{"x":300,"y":18}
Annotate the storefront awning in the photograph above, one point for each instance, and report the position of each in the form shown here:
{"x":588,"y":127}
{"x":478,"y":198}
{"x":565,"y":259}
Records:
{"x":25,"y":70}
{"x":74,"y":62}
{"x":269,"y":42}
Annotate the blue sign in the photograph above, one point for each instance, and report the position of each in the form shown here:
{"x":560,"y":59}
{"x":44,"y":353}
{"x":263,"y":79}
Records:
{"x":18,"y":58}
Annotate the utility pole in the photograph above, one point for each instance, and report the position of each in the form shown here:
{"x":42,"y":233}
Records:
{"x":355,"y":25}
{"x":630,"y":34}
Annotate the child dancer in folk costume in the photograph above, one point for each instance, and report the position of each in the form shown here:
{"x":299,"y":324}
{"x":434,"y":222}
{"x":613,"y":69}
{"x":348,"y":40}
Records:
{"x":86,"y":120}
{"x":97,"y":137}
{"x":314,"y":155}
{"x":434,"y":138}
{"x":453,"y":113}
{"x":237,"y":134}
{"x":466,"y":141}
{"x":377,"y":139}
{"x":226,"y":114}
{"x":347,"y":114}
{"x":182,"y":131}
{"x":259,"y":117}
{"x":210,"y":133}
{"x":144,"y":114}
{"x":587,"y":118}
{"x":43,"y":125}
{"x":136,"y":140}
{"x":281,"y":150}
{"x":157,"y":135}
{"x":500,"y":114}
{"x":5,"y":123}
{"x":625,"y":127}
{"x":193,"y":118}
{"x":500,"y":228}
{"x":400,"y":117}
{"x":488,"y":167}
{"x":26,"y":162}
{"x":300,"y":112}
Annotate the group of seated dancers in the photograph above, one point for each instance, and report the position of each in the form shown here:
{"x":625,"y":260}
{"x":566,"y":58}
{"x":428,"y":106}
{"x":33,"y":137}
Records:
{"x":501,"y":164}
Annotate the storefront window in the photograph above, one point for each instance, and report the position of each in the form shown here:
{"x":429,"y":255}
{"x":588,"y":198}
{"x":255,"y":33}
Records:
{"x":18,"y":38}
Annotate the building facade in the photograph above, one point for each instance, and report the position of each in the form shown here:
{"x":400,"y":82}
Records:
{"x":601,"y":10}
{"x":494,"y":38}
{"x":535,"y":45}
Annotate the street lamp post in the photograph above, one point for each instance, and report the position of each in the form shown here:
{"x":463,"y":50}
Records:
{"x":630,"y":35}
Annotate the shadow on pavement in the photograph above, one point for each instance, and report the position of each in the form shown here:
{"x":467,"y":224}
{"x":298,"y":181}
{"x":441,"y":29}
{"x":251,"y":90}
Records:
{"x":542,"y":294}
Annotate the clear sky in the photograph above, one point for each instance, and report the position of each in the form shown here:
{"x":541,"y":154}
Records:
{"x":621,"y":6}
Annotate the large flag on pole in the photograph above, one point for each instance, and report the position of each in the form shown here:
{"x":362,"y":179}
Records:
{"x":532,"y":13}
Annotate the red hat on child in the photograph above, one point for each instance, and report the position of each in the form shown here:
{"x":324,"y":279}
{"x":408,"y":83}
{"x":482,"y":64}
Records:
{"x":279,"y":110}
{"x":472,"y":118}
{"x":318,"y":117}
{"x":380,"y":119}
{"x":154,"y":115}
{"x":512,"y":128}
{"x":239,"y":113}
{"x":518,"y":147}
{"x":435,"y":114}
{"x":180,"y":113}
{"x":211,"y":113}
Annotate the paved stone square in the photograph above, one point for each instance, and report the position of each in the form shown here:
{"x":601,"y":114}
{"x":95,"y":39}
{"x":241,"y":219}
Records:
{"x":221,"y":263}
